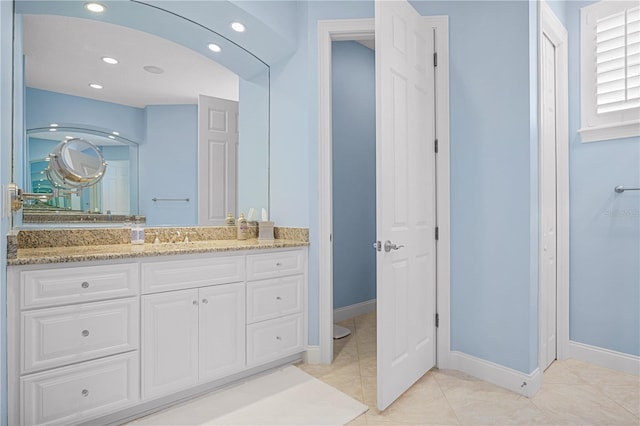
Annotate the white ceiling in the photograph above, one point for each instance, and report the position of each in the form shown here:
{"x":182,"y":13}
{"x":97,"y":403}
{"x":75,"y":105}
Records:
{"x":63,"y":54}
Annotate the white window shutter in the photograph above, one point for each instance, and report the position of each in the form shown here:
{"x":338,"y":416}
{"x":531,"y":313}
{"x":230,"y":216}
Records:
{"x":618,"y":61}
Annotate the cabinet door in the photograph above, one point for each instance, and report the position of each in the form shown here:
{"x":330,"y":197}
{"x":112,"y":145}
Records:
{"x":222,"y":330}
{"x":170,"y":342}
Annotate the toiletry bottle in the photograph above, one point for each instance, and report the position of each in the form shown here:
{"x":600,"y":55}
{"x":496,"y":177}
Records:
{"x":140,"y":230}
{"x":230,"y":221}
{"x":130,"y":226}
{"x":137,"y":231}
{"x":242,"y":227}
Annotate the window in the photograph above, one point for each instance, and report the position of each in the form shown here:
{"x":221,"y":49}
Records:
{"x":610,"y":70}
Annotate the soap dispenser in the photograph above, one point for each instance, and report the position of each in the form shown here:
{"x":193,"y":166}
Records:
{"x":242,"y":227}
{"x":230,"y":221}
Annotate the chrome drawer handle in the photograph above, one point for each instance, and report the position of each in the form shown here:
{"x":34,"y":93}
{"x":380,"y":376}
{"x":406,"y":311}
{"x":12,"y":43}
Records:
{"x":85,"y":284}
{"x":85,"y":333}
{"x":85,"y":393}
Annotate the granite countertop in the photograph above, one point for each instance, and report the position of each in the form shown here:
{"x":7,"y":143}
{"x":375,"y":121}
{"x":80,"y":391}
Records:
{"x":44,"y":255}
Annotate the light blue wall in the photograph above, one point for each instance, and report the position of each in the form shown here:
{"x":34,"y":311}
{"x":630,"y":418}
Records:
{"x":168,"y":159}
{"x":6,"y":39}
{"x":294,"y":132}
{"x":44,"y":107}
{"x":492,"y":284}
{"x":605,"y":227}
{"x":354,"y":173}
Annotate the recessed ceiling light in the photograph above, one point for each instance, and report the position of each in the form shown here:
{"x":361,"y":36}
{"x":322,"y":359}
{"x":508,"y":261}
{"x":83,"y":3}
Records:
{"x":116,"y":133}
{"x":53,"y":125}
{"x":237,"y":26}
{"x":153,"y":69}
{"x":95,"y":7}
{"x":53,"y":130}
{"x":68,"y":137}
{"x":108,"y":60}
{"x":111,"y":137}
{"x":214,"y":47}
{"x":95,"y":86}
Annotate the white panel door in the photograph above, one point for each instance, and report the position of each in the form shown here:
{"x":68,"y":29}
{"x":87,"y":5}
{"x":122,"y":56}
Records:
{"x":115,"y":188}
{"x":170,"y":342}
{"x":217,"y":159}
{"x":548,"y":271}
{"x":405,"y":198}
{"x":222,"y":330}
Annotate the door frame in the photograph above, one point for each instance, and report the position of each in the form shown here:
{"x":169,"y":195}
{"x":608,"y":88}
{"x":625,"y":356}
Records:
{"x":359,"y":30}
{"x":551,"y":27}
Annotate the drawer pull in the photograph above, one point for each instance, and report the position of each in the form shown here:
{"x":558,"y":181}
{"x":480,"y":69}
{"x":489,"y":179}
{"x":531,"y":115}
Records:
{"x":85,"y":284}
{"x":279,"y":264}
{"x":278,"y":338}
{"x":195,"y":303}
{"x":205,"y":301}
{"x":85,"y":333}
{"x":85,"y":393}
{"x":278,"y":298}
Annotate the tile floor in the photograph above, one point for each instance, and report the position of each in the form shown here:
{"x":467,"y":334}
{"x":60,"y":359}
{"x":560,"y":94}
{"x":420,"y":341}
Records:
{"x":573,"y":393}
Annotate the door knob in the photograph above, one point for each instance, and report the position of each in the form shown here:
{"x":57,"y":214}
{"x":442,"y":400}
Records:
{"x":388,"y":246}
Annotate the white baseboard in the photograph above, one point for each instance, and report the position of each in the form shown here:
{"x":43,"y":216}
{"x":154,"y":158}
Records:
{"x":312,"y":355}
{"x":347,"y":312}
{"x":516,"y":381}
{"x":605,"y":357}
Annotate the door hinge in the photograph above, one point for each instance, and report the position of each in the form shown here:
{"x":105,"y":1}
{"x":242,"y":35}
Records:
{"x":435,"y":59}
{"x":435,"y":145}
{"x":437,"y":320}
{"x":437,"y":233}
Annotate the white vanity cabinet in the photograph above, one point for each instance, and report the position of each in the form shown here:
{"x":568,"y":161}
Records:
{"x":73,"y":342}
{"x":275,"y":291}
{"x":112,"y":339}
{"x":191,"y":337}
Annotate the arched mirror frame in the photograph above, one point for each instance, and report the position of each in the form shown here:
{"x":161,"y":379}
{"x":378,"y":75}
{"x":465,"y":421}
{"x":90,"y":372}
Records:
{"x":159,"y":28}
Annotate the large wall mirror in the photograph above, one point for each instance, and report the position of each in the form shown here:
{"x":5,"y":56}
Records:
{"x":180,"y":113}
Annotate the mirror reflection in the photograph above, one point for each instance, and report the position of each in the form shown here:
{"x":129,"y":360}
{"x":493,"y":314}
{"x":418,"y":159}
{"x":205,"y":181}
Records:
{"x":149,"y":79}
{"x":107,"y":192}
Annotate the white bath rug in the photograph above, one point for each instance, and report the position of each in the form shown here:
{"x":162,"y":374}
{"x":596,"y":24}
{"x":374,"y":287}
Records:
{"x":288,"y":396}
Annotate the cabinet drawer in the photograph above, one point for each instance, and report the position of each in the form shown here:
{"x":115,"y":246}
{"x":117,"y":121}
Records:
{"x":270,"y":340}
{"x":183,"y":274}
{"x":47,"y":287}
{"x":56,"y":336}
{"x":271,"y":265}
{"x":273,"y":298}
{"x":70,"y":394}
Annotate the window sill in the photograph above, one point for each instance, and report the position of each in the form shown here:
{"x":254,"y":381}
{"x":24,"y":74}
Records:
{"x":610,"y":131}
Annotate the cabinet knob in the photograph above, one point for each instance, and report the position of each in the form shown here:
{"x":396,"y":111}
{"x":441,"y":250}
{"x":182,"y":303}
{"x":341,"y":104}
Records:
{"x":278,"y":298}
{"x":278,"y":264}
{"x":85,"y":333}
{"x":85,"y":284}
{"x":278,"y":338}
{"x":195,"y":303}
{"x":205,"y":301}
{"x":85,"y":392}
